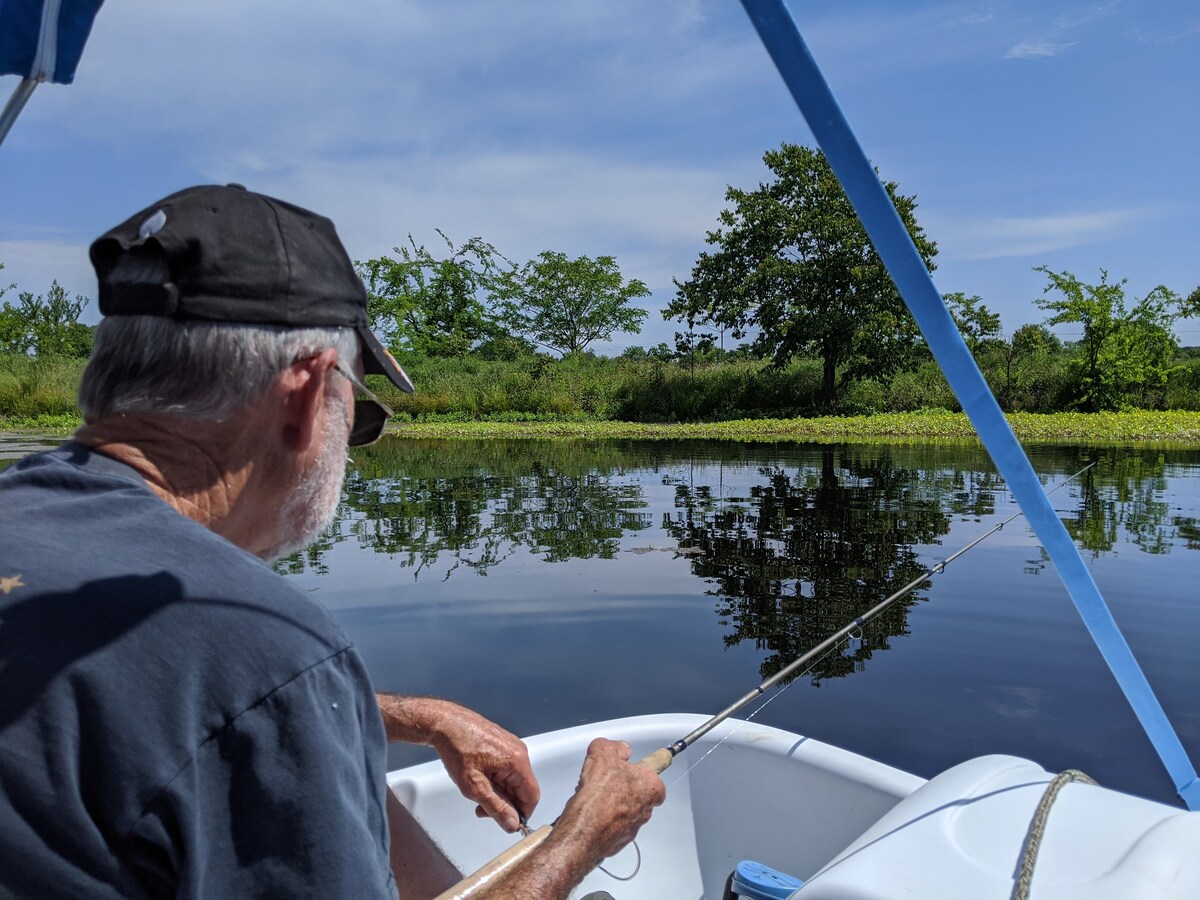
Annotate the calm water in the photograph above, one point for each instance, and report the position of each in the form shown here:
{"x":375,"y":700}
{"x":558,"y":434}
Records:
{"x":552,"y":583}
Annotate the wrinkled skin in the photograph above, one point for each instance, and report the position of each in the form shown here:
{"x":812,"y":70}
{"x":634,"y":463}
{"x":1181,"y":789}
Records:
{"x":488,"y":764}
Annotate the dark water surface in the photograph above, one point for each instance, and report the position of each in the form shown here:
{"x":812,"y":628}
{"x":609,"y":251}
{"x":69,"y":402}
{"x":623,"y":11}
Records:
{"x":550,"y":583}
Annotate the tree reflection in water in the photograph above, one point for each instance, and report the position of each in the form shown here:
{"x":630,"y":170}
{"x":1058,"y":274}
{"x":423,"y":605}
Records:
{"x":813,"y":547}
{"x":798,"y":542}
{"x":477,"y":502}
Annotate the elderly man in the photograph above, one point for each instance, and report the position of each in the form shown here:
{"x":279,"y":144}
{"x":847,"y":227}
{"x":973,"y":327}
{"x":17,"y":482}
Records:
{"x":175,"y":719}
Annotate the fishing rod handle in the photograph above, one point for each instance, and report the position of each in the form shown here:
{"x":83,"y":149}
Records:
{"x":657,"y":762}
{"x":490,"y":871}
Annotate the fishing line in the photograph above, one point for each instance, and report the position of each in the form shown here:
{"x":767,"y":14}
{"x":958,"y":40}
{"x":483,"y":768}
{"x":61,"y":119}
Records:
{"x":771,"y":698}
{"x":632,"y":875}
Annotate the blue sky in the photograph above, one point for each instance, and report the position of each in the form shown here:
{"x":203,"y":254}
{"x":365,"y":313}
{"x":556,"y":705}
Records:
{"x":1032,"y":133}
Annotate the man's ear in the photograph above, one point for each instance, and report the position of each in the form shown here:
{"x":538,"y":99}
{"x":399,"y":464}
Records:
{"x":301,"y":397}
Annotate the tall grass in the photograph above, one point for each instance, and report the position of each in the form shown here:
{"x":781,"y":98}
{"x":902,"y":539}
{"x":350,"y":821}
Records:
{"x":31,"y":387}
{"x":601,"y":388}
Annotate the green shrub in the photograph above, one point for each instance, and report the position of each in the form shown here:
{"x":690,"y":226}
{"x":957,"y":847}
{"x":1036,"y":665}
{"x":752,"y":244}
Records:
{"x":922,"y":388}
{"x":33,"y":386}
{"x":1182,"y":390}
{"x":865,"y":397}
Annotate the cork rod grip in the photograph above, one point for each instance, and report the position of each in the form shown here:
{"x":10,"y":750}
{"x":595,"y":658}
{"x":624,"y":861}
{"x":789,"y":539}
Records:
{"x":658,"y":761}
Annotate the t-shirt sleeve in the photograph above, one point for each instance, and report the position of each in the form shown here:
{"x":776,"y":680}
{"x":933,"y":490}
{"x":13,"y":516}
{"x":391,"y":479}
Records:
{"x":287,"y":800}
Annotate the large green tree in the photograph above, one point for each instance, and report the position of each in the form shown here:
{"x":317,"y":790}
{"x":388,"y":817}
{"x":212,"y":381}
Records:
{"x":45,"y":325}
{"x":566,"y":304}
{"x":1123,"y":353}
{"x":433,"y":305}
{"x":792,"y":264}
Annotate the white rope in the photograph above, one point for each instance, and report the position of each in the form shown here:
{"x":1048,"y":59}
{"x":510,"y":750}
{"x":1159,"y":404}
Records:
{"x":1037,"y":829}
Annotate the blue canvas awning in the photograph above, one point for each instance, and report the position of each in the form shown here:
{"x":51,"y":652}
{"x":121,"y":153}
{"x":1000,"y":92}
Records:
{"x":41,"y":40}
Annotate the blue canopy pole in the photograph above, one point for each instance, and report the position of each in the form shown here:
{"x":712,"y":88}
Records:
{"x":892,"y":242}
{"x":41,"y":40}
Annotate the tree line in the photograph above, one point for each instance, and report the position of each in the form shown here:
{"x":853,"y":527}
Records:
{"x":791,"y":263}
{"x":788,"y":273}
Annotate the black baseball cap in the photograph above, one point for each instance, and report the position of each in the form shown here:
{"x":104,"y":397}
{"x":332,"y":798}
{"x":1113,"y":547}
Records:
{"x":237,"y":256}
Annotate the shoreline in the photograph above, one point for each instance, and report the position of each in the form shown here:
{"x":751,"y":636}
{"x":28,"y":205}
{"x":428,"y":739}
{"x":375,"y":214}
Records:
{"x":1136,"y":427}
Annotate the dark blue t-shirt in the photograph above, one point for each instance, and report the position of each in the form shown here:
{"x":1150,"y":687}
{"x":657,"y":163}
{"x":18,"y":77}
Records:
{"x":175,"y":719}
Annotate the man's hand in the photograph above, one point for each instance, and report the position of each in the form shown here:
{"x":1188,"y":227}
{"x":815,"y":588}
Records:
{"x":614,"y":798}
{"x":488,"y":764}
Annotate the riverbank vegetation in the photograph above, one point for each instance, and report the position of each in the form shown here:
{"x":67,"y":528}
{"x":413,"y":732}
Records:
{"x":788,"y":273}
{"x":1168,"y":428}
{"x":642,"y":387}
{"x":1129,"y":426}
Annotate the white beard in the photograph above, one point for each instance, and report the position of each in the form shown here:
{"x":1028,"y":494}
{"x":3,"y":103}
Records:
{"x":311,"y":504}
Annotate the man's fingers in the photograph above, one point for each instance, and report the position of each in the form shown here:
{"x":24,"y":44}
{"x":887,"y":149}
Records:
{"x":603,"y":747}
{"x":521,"y":794}
{"x":658,"y":790}
{"x":496,"y":807}
{"x":478,"y":787}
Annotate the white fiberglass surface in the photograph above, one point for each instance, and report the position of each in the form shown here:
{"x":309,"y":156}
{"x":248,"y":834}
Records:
{"x":742,"y":792}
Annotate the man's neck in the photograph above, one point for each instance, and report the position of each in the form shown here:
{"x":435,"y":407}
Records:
{"x":207,"y":471}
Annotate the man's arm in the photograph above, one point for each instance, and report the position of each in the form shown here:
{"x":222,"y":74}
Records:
{"x":488,"y":764}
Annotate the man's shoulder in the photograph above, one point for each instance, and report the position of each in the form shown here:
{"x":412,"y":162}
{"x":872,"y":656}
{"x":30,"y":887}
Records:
{"x":81,"y":525}
{"x":70,"y":485}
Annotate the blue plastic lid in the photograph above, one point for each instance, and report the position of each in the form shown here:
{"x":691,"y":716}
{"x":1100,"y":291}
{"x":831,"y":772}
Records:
{"x":760,"y":882}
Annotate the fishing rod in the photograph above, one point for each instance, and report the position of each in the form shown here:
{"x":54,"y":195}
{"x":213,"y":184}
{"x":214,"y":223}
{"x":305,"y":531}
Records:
{"x":660,"y":760}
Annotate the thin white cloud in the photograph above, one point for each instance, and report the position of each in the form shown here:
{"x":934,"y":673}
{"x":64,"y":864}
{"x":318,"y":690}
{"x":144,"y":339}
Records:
{"x":405,"y":74}
{"x":971,"y":19}
{"x":520,"y":200}
{"x":1085,"y":15}
{"x":1036,"y":49}
{"x":855,"y":44}
{"x":1018,"y":236}
{"x":1068,"y":22}
{"x":1182,"y":32}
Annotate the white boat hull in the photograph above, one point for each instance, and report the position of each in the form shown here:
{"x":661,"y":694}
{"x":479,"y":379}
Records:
{"x":837,"y":820}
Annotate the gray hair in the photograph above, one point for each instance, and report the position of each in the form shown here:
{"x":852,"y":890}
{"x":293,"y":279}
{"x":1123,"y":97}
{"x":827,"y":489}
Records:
{"x":202,"y":370}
